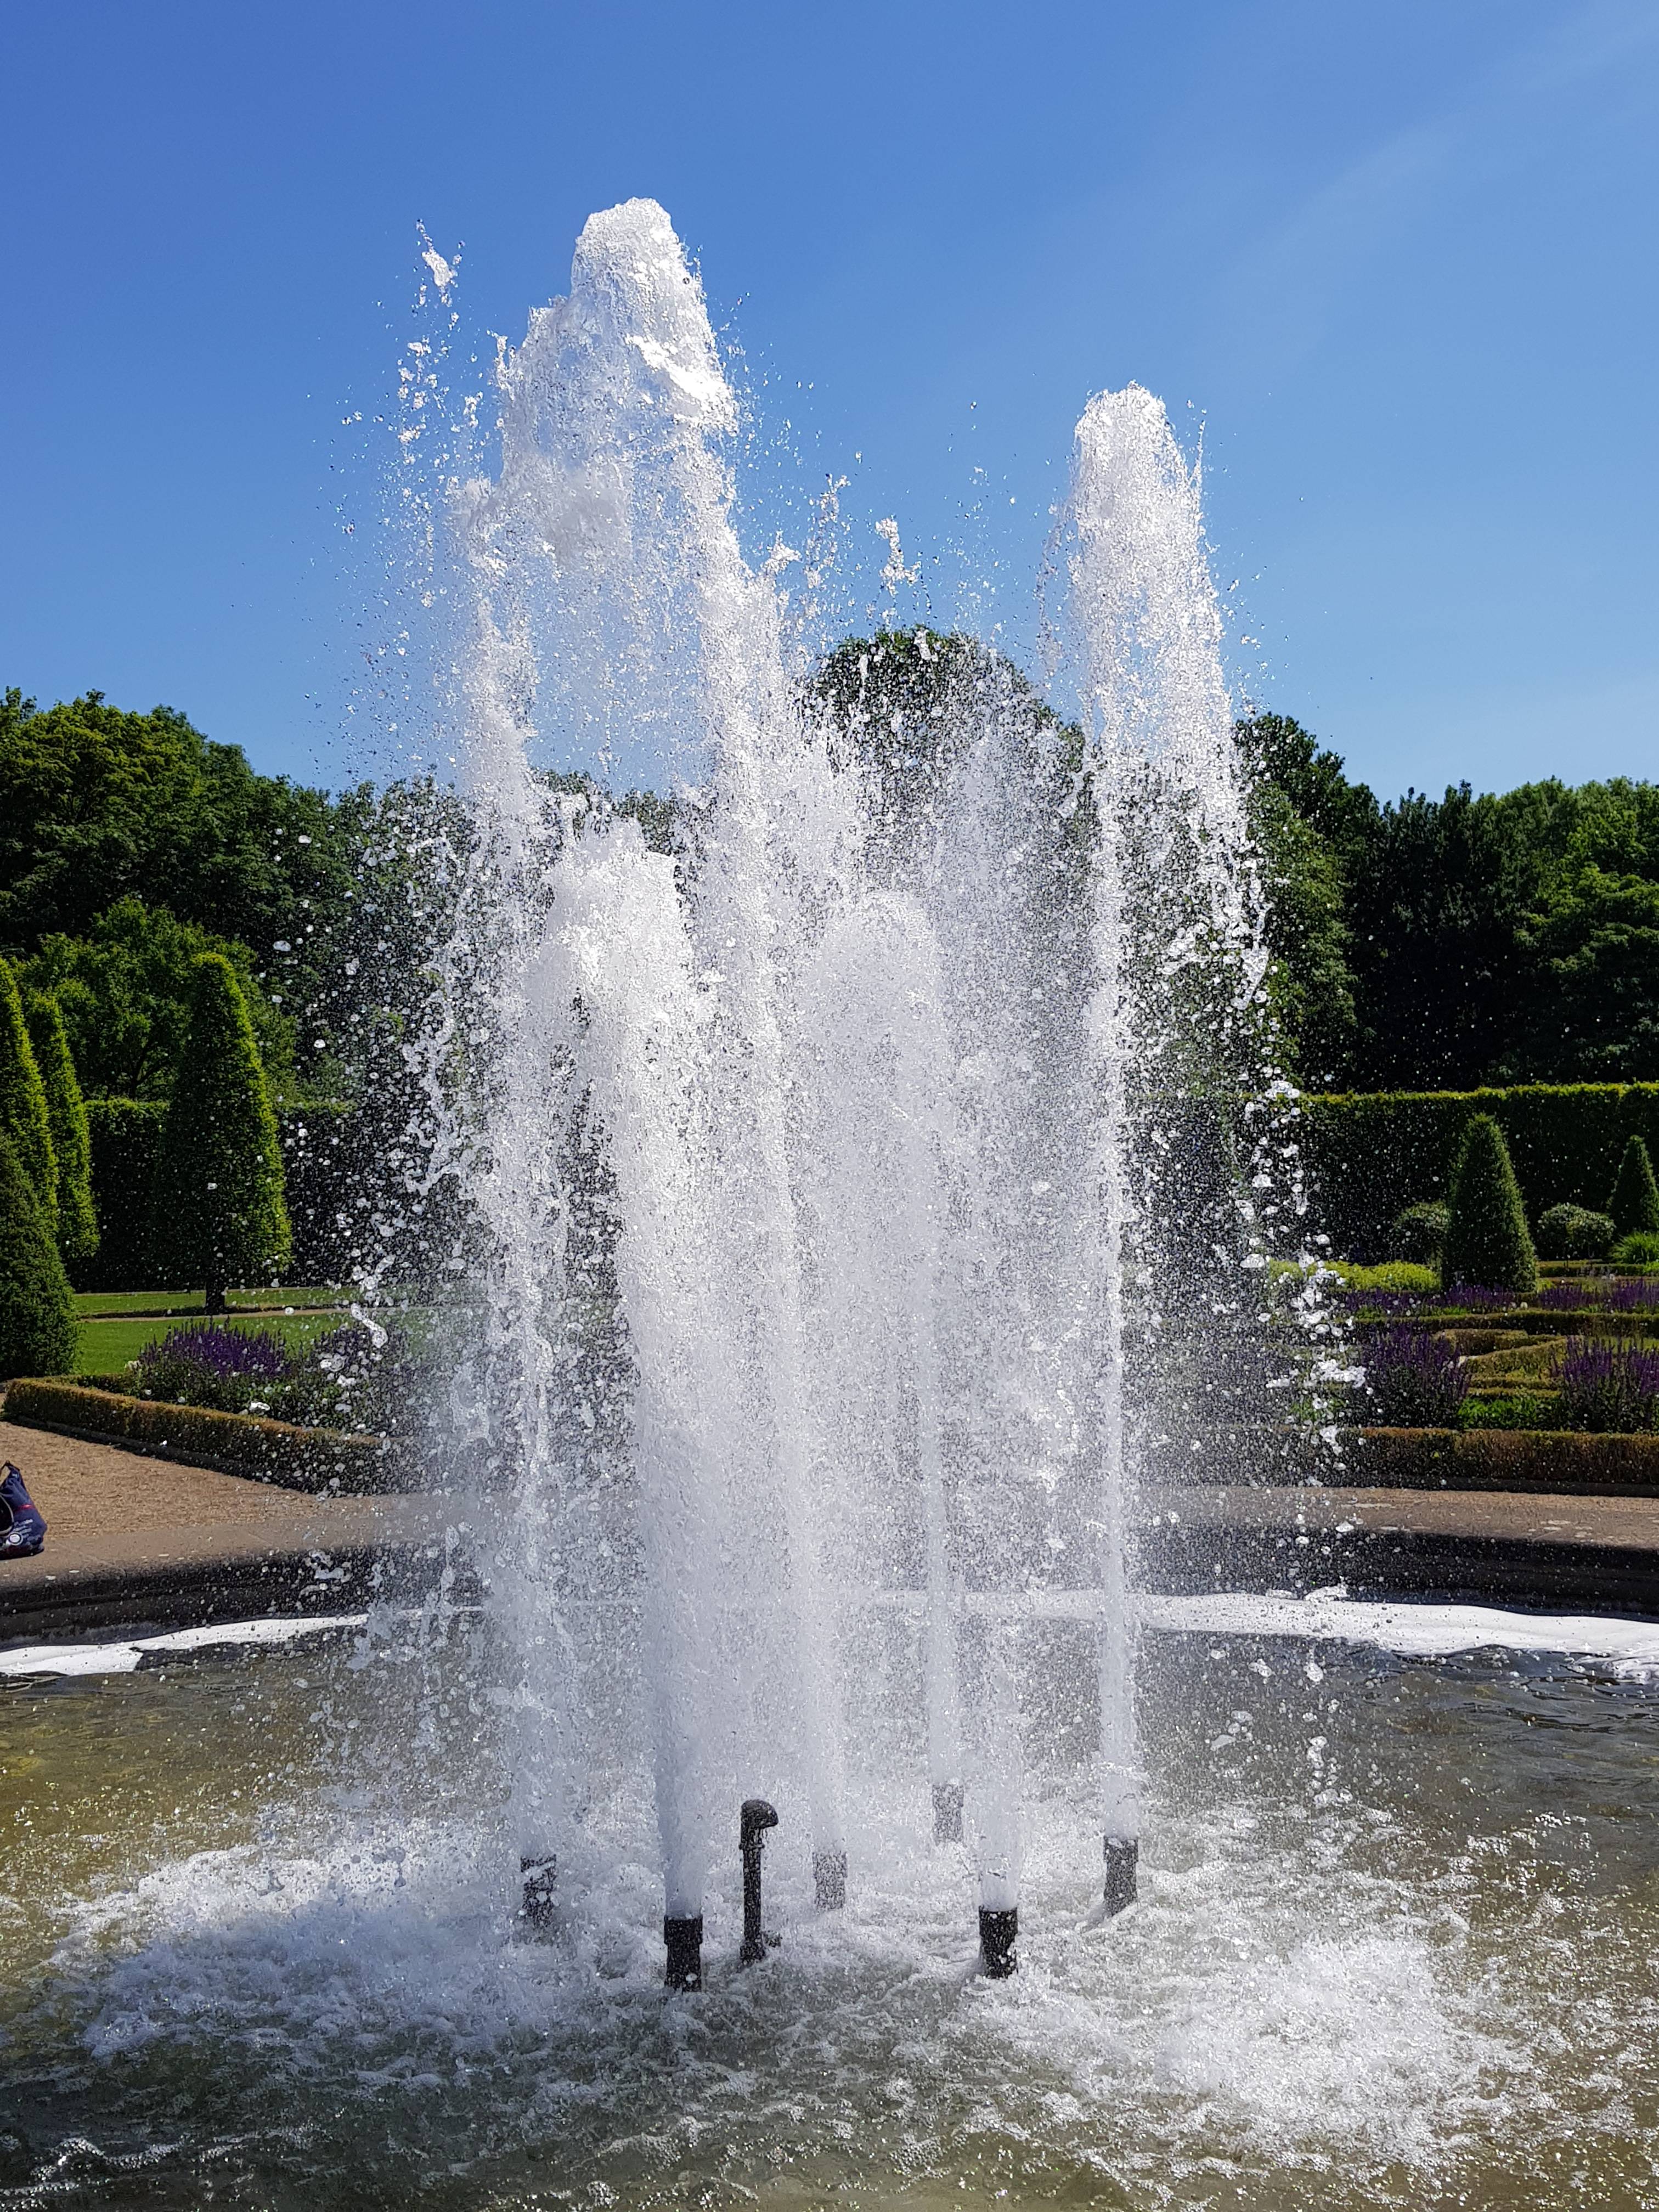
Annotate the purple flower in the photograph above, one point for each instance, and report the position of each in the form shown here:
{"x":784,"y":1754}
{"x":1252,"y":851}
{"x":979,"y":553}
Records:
{"x":1415,"y":1381}
{"x":1478,"y":1297}
{"x":1610,"y":1389}
{"x":1567,"y":1297}
{"x":218,"y":1351}
{"x":1634,"y":1293}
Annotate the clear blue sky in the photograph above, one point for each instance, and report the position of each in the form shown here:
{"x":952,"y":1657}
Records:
{"x":1400,"y":258}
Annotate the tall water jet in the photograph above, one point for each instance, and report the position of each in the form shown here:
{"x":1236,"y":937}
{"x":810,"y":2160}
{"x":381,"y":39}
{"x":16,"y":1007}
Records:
{"x":1170,"y":892}
{"x":803,"y":1114}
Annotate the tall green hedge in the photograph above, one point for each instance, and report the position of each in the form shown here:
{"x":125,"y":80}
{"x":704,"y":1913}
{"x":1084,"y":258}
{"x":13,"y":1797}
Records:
{"x":37,"y":1313}
{"x":219,"y":1213}
{"x":1369,"y":1155}
{"x":125,"y":1142}
{"x":66,"y":1119}
{"x":23,"y":1099}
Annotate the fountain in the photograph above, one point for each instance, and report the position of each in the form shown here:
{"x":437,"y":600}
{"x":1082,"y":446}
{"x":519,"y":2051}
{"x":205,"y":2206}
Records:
{"x":855,"y":1203}
{"x":871,"y":1062}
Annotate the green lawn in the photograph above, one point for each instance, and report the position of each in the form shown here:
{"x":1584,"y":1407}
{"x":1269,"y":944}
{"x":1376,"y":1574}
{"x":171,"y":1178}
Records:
{"x":107,"y":1345}
{"x":91,"y":1302}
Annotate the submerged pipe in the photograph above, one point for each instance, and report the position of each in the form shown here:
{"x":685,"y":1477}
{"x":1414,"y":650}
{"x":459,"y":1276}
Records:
{"x":539,"y":1890}
{"x":998,"y":1932}
{"x":683,"y":1937}
{"x":754,"y":1819}
{"x":1122,"y":1864}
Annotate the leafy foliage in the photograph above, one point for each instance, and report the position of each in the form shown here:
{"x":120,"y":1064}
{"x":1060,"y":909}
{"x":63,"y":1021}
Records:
{"x":37,"y":1309}
{"x":126,"y":990}
{"x":1419,"y":1233}
{"x":219,"y":1210}
{"x":66,"y":1118}
{"x":1640,"y":1250}
{"x":1483,"y":940}
{"x":1488,"y":1241}
{"x":1573,"y":1232}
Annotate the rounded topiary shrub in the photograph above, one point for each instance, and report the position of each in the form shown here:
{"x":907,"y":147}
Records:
{"x":1573,"y":1232}
{"x":37,"y":1309}
{"x":1488,"y":1241}
{"x":1420,"y":1233}
{"x":1634,"y":1204}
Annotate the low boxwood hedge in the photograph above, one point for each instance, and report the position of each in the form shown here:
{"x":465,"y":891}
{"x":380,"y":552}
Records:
{"x":315,"y":1460}
{"x":1565,"y":1460}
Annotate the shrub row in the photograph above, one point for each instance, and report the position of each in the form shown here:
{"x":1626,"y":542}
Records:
{"x":1369,"y":1155}
{"x":315,"y":1460}
{"x":324,"y":1178}
{"x":1565,"y":1460}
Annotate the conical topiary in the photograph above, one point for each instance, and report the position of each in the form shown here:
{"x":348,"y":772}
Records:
{"x":1487,"y":1237}
{"x":23,"y":1098}
{"x":37,"y":1307}
{"x":66,"y":1119}
{"x":219,"y":1210}
{"x":1634,"y":1204}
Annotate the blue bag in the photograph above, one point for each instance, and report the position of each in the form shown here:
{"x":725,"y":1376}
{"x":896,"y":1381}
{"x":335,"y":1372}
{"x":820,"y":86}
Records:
{"x":22,"y":1524}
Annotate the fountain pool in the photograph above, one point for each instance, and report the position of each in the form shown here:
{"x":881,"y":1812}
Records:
{"x":1392,"y":1948}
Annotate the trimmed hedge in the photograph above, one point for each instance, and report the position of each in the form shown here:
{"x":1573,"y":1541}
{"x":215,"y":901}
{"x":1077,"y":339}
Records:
{"x":1565,"y":1460}
{"x":315,"y":1460}
{"x":1488,"y":1241}
{"x":324,"y":1179}
{"x":1369,"y":1155}
{"x":126,"y":1139}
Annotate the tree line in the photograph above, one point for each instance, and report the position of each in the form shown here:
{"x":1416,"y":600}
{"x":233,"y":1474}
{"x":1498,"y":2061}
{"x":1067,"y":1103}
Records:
{"x":1416,"y":943}
{"x":1445,"y":944}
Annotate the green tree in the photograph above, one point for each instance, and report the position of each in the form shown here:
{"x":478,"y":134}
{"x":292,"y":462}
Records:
{"x":37,"y":1307}
{"x":1634,"y":1204}
{"x":23,"y":1099}
{"x":220,"y":1214}
{"x":66,"y":1119}
{"x":1488,"y":1240}
{"x":125,"y":989}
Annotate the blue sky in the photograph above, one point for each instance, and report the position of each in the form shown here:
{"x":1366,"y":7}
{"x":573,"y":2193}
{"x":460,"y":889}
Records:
{"x":1400,"y":260}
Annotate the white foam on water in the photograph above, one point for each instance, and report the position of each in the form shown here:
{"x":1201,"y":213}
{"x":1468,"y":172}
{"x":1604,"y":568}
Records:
{"x":1426,"y":1631}
{"x":125,"y":1655}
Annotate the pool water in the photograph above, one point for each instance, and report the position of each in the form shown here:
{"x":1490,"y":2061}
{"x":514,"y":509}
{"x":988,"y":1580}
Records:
{"x":1395,"y":1948}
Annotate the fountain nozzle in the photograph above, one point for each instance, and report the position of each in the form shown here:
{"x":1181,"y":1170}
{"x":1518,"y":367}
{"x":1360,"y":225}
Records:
{"x":1122,"y":1860}
{"x":539,"y":1890}
{"x":754,"y":1819}
{"x":997,"y":1935}
{"x":684,"y":1940}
